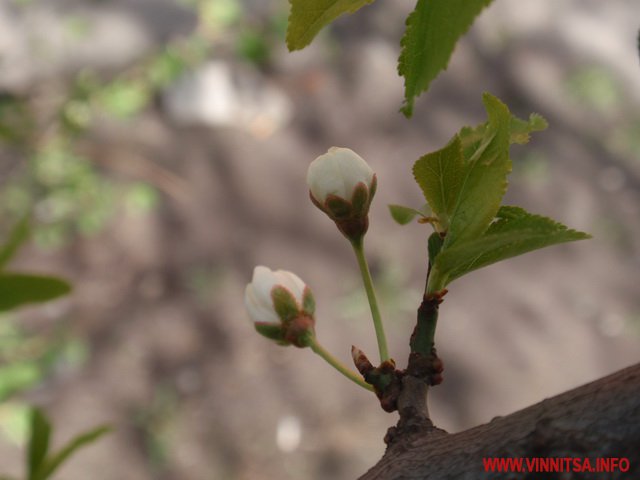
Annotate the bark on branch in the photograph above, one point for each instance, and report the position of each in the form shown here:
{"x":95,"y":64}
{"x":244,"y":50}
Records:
{"x":600,"y":419}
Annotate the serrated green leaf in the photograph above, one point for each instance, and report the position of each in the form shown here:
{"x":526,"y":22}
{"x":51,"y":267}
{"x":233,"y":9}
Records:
{"x":18,"y":289}
{"x":52,"y":464}
{"x":520,"y":129}
{"x":519,"y":132}
{"x":513,"y":233}
{"x":433,"y":29}
{"x":38,"y":442}
{"x":484,"y":179}
{"x":17,"y":237}
{"x":440,"y":175}
{"x":308,"y":17}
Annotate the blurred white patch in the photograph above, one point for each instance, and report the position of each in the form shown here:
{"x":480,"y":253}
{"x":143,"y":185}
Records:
{"x":216,"y":95}
{"x":288,"y":433}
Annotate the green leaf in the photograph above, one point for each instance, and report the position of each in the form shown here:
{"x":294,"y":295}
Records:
{"x":17,"y":289}
{"x":58,"y":458}
{"x":513,"y":233}
{"x":433,"y":29}
{"x":18,"y":235}
{"x":38,"y":442}
{"x":402,"y":214}
{"x":484,"y":179}
{"x":440,"y":176}
{"x":308,"y":17}
{"x":520,"y":130}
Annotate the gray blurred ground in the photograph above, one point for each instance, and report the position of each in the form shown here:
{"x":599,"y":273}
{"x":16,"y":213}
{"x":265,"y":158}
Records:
{"x":509,"y":335}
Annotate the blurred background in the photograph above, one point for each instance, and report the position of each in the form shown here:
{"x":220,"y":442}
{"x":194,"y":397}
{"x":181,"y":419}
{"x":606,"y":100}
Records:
{"x":161,"y":147}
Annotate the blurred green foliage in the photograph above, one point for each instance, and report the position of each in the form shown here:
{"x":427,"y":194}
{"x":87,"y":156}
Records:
{"x":596,"y":88}
{"x":41,"y":463}
{"x":52,"y":178}
{"x":532,"y":167}
{"x":155,"y":423}
{"x":25,"y":361}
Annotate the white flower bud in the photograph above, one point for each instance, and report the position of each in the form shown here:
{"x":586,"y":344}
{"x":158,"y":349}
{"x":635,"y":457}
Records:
{"x":257,"y":295}
{"x":342,"y":185}
{"x":281,"y":306}
{"x":338,"y":172}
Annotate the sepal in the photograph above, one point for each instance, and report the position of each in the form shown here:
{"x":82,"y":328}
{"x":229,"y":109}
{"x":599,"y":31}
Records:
{"x":284,"y":303}
{"x":360,"y":200}
{"x":308,"y":302}
{"x":271,"y":331}
{"x":337,"y":208}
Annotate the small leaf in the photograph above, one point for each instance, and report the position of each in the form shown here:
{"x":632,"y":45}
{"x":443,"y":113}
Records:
{"x":513,"y":233}
{"x":484,"y":180}
{"x":440,"y":176}
{"x":402,"y":214}
{"x":433,"y":29}
{"x":16,"y":238}
{"x":38,"y":442}
{"x":58,"y":458}
{"x":18,"y":289}
{"x":308,"y":17}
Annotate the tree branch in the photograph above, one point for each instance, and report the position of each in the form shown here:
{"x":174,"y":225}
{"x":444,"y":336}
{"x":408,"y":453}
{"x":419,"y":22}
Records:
{"x":600,"y":419}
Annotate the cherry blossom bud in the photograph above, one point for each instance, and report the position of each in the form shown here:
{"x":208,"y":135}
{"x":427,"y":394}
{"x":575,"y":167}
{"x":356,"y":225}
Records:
{"x":342,"y":185}
{"x":281,"y":306}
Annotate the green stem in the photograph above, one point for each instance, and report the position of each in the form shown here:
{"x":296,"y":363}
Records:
{"x":423,"y":338}
{"x":358,"y":248}
{"x":435,"y":281}
{"x":338,"y":365}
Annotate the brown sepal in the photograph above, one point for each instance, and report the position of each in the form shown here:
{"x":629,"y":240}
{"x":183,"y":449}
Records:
{"x":300,"y":331}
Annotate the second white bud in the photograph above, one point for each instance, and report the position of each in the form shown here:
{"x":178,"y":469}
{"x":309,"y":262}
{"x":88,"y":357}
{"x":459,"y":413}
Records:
{"x":342,"y":185}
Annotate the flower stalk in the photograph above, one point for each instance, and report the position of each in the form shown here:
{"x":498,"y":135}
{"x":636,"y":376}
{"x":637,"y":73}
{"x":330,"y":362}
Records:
{"x":358,"y":249}
{"x":338,"y":365}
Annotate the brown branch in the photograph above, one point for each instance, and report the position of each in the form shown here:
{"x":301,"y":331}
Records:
{"x":600,"y":419}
